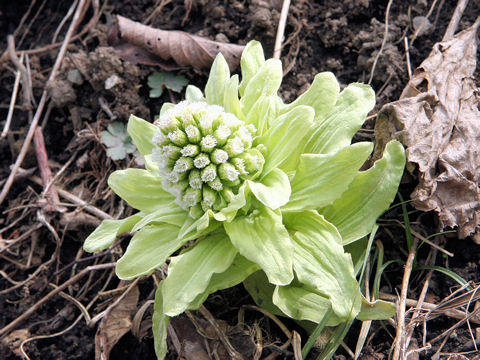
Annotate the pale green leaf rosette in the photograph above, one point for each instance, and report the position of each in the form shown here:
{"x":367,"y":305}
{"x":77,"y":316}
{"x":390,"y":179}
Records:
{"x":241,"y":187}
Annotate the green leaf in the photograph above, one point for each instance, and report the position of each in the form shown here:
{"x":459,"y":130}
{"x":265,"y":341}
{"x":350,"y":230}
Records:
{"x":189,"y":273}
{"x":262,"y":238}
{"x":322,"y":178}
{"x":368,"y":196}
{"x":140,"y":189}
{"x":159,"y":326}
{"x":265,"y":82}
{"x":106,"y":233}
{"x":165,"y":107}
{"x":141,"y":132}
{"x":240,"y":269}
{"x":274,"y":190}
{"x":264,"y":112}
{"x":321,"y":95}
{"x":231,"y":103}
{"x":303,"y":303}
{"x":151,"y":165}
{"x":377,"y":310}
{"x":193,"y":94}
{"x":285,"y":140}
{"x":148,"y":250}
{"x":169,"y":213}
{"x":217,"y":81}
{"x":251,"y":61}
{"x":347,"y":116}
{"x":237,"y":202}
{"x":160,"y":80}
{"x":117,"y":141}
{"x":321,"y":263}
{"x":156,"y":93}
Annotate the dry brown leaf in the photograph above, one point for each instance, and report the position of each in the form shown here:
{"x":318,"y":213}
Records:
{"x":438,"y":120}
{"x":15,"y":339}
{"x":141,"y":44}
{"x":115,"y":324}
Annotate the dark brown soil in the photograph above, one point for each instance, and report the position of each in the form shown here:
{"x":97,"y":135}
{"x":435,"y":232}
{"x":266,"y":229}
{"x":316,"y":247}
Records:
{"x":342,"y":37}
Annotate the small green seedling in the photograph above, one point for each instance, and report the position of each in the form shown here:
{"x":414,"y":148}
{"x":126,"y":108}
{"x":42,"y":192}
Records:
{"x":158,"y":81}
{"x":117,"y":140}
{"x":262,"y":192}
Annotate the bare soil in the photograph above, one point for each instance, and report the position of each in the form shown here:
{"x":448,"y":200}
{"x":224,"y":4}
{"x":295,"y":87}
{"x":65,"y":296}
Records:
{"x":339,"y":36}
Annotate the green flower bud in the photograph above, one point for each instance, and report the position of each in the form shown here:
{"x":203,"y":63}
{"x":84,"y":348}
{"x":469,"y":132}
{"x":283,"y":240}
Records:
{"x":204,"y":154}
{"x":183,"y":164}
{"x":190,"y":150}
{"x":219,"y":156}
{"x":201,"y":161}
{"x":228,"y":172}
{"x":209,"y":173}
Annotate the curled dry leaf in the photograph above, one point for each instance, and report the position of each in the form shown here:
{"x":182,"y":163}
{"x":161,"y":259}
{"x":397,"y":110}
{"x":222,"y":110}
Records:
{"x":141,"y":44}
{"x":438,"y":120}
{"x":115,"y":324}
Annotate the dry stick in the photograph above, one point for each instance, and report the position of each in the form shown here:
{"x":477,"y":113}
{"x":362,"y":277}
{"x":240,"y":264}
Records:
{"x":75,"y":199}
{"x":13,"y":99}
{"x":453,"y":24}
{"x":421,"y":299}
{"x":453,"y":313}
{"x":27,"y":97}
{"x":234,"y":354}
{"x":86,"y":28}
{"x":407,"y":56}
{"x":50,"y":194}
{"x":43,"y":100}
{"x":384,"y":41}
{"x":399,"y":350}
{"x":423,"y":22}
{"x":51,"y":294}
{"x":281,"y":29}
{"x":108,"y":310}
{"x":64,"y":20}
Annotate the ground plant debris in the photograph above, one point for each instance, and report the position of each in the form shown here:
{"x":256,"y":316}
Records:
{"x":72,"y":73}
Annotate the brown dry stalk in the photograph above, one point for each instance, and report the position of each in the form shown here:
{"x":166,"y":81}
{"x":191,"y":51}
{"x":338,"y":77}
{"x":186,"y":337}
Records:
{"x":33,"y":124}
{"x":51,"y":194}
{"x":5,"y":330}
{"x":399,"y":342}
{"x":454,"y":21}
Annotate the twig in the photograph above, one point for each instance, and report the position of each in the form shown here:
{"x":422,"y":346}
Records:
{"x":453,"y":313}
{"x":453,"y":24}
{"x":50,"y":192}
{"x":421,"y":299}
{"x":281,"y":29}
{"x":33,"y":124}
{"x":407,"y":56}
{"x":104,"y":313}
{"x":51,"y":294}
{"x":27,"y":91}
{"x":13,"y":99}
{"x":234,"y":354}
{"x":415,"y":34}
{"x":64,"y":20}
{"x":75,"y":199}
{"x":399,"y":343}
{"x":384,"y":41}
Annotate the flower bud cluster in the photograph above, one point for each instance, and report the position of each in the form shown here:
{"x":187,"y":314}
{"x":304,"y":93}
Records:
{"x":204,"y":155}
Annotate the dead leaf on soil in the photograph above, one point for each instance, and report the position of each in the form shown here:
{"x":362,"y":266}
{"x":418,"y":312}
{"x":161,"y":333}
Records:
{"x":438,"y":120}
{"x":15,"y":339}
{"x":115,"y":324}
{"x":141,"y":44}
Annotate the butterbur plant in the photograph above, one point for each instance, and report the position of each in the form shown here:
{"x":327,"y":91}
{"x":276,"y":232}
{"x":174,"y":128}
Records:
{"x":263,"y":192}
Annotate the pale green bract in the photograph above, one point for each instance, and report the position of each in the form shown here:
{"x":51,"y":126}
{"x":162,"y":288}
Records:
{"x":270,"y":192}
